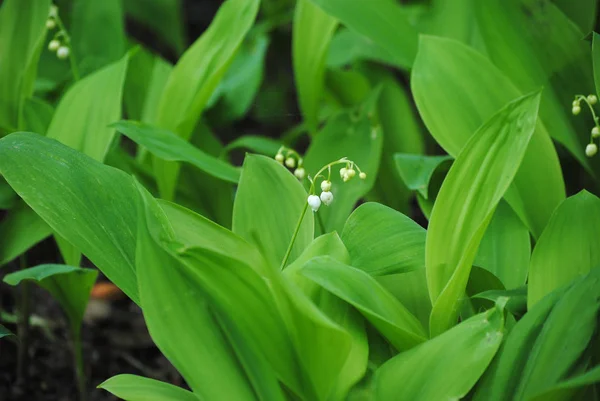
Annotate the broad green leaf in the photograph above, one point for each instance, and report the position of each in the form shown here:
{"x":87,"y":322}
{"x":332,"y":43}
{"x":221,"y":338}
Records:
{"x":382,"y":21}
{"x":345,"y":88}
{"x":21,"y":229}
{"x":354,"y":134}
{"x":312,"y":32}
{"x":558,"y":59}
{"x":37,"y":115}
{"x":505,"y":248}
{"x":168,"y":146}
{"x":257,"y":144}
{"x":384,"y":311}
{"x":137,"y":388}
{"x":401,"y":133}
{"x":89,"y":204}
{"x":411,"y":290}
{"x":564,"y":390}
{"x":340,"y":312}
{"x":22,"y":32}
{"x":446,"y":367}
{"x":268,"y":204}
{"x":196,"y":347}
{"x":517,"y":299}
{"x":348,"y":46}
{"x":82,"y":117}
{"x":70,"y":286}
{"x":568,"y":246}
{"x":417,"y":170}
{"x":165,"y":17}
{"x":236,"y":92}
{"x":6,"y":333}
{"x":97,"y":33}
{"x":195,"y":77}
{"x":221,"y":293}
{"x":446,"y":81}
{"x":464,"y":207}
{"x":383,"y":241}
{"x":534,"y":357}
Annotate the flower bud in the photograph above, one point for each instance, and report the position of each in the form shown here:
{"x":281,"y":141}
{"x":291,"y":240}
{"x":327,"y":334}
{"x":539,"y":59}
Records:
{"x":325,"y":185}
{"x":53,"y":45}
{"x":363,"y":175}
{"x":592,"y":99}
{"x":53,"y":12}
{"x":576,"y":110}
{"x":575,"y":102}
{"x":595,"y":132}
{"x":314,"y":202}
{"x":300,"y":173}
{"x":344,"y":173}
{"x":591,"y":149}
{"x":62,"y":52}
{"x":290,"y":162}
{"x":351,"y":173}
{"x":50,"y":23}
{"x":279,"y":157}
{"x":326,"y":197}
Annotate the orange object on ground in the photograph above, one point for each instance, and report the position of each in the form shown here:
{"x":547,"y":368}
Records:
{"x":106,"y":290}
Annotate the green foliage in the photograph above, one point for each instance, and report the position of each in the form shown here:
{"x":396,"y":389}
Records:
{"x":347,"y":255}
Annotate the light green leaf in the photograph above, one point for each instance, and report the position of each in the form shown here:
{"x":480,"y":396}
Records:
{"x":384,"y":311}
{"x":70,"y":286}
{"x":8,"y":197}
{"x":137,"y":388}
{"x":567,"y":248}
{"x":268,"y":204}
{"x":417,"y":170}
{"x":354,"y":134}
{"x":97,"y":33}
{"x":596,"y":60}
{"x":535,"y":45}
{"x":312,"y":32}
{"x":22,"y":32}
{"x":382,"y":21}
{"x":168,"y":146}
{"x":219,"y":292}
{"x":446,"y":81}
{"x":534,"y":357}
{"x":383,"y":241}
{"x":196,"y":347}
{"x":89,"y":204}
{"x":82,"y":117}
{"x":446,"y":367}
{"x":464,"y":207}
{"x":197,"y":75}
{"x":19,"y":231}
{"x":348,"y":46}
{"x":505,"y":248}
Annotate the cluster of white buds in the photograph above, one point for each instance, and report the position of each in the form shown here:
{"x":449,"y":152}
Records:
{"x":591,"y":148}
{"x":292,"y":160}
{"x":326,"y":196}
{"x":61,"y":40}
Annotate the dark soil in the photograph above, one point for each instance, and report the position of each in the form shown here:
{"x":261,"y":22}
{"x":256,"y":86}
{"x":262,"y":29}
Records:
{"x":115,"y":341}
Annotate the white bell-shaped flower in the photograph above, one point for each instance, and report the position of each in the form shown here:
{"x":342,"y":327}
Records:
{"x":300,"y":173}
{"x":314,"y":202}
{"x":595,"y":132}
{"x":591,"y":149}
{"x":63,"y":52}
{"x":326,"y":197}
{"x":325,"y":185}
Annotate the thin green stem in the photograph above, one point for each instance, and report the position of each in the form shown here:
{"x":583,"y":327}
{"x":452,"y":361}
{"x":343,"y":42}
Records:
{"x":23,"y":322}
{"x":63,"y":31}
{"x":291,"y":245}
{"x":79,"y":368}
